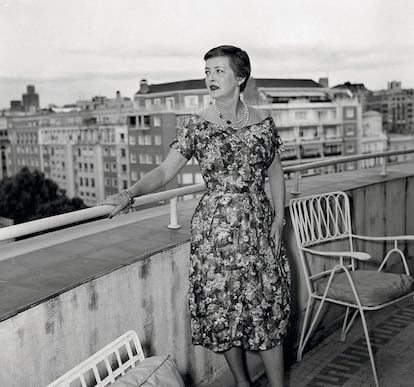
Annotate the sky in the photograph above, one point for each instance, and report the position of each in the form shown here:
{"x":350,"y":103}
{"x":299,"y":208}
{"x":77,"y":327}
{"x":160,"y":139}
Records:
{"x":77,"y":49}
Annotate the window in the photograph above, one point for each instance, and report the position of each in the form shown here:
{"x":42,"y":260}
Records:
{"x":141,"y":139}
{"x":132,"y":140}
{"x":123,"y":167}
{"x":114,"y":182}
{"x":141,"y":174}
{"x":157,"y":102}
{"x":158,"y":159}
{"x":132,"y":121}
{"x":113,"y":167}
{"x":350,"y":131}
{"x":157,"y":139}
{"x":122,"y":135}
{"x":148,"y":140}
{"x":169,"y":101}
{"x":301,"y":115}
{"x":350,"y":148}
{"x":146,"y":121}
{"x":133,"y":158}
{"x":113,"y":152}
{"x":92,"y":182}
{"x":124,"y":184}
{"x":157,"y":121}
{"x":148,"y":104}
{"x":134,"y":176}
{"x":350,"y":112}
{"x":191,"y":101}
{"x":106,"y":152}
{"x":107,"y":182}
{"x":81,"y":181}
{"x":106,"y":167}
{"x":145,"y":158}
{"x":123,"y":152}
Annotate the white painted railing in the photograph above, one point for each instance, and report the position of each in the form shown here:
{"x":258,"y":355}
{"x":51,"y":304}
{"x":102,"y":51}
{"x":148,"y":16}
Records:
{"x":53,"y":222}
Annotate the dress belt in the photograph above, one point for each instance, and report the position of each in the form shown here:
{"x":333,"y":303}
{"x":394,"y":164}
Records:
{"x":232,"y":188}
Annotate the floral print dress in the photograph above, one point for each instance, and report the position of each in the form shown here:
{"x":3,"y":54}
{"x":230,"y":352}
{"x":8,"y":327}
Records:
{"x":239,"y":287}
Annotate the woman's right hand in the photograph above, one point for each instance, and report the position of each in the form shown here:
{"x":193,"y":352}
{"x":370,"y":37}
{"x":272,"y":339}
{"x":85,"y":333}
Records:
{"x":120,"y":203}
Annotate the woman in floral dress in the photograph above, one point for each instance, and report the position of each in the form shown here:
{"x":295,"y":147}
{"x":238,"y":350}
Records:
{"x":239,"y":275}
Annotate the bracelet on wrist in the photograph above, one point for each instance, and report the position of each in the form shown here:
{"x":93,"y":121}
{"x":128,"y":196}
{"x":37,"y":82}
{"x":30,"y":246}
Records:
{"x":129,"y":195}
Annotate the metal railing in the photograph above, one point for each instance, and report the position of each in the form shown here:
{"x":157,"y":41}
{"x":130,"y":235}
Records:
{"x":53,"y":222}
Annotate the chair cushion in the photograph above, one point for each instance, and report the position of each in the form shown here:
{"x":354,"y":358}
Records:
{"x":373,"y":287}
{"x":150,"y":372}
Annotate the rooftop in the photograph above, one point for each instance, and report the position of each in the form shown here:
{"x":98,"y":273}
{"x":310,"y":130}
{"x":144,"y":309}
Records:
{"x":196,"y":84}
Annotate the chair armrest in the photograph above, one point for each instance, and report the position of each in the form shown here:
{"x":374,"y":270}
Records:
{"x":385,"y":238}
{"x":352,"y":254}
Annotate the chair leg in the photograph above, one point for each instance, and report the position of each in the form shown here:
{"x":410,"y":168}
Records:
{"x":304,"y":339}
{"x":371,"y":354}
{"x":305,"y":323}
{"x":347,"y":325}
{"x":343,"y":334}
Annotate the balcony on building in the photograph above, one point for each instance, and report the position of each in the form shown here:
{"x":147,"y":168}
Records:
{"x":67,"y":293}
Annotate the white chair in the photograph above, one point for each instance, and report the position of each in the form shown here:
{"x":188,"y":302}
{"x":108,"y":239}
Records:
{"x":105,"y":366}
{"x":325,"y":219}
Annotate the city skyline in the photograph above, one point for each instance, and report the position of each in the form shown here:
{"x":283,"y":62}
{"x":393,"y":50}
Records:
{"x":77,"y":50}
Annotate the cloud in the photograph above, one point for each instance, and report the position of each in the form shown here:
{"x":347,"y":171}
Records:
{"x":154,"y":51}
{"x":319,"y":56}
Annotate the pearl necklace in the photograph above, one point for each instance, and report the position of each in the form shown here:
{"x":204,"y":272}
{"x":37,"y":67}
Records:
{"x":242,"y":121}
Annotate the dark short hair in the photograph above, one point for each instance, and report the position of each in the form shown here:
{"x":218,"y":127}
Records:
{"x":238,"y":58}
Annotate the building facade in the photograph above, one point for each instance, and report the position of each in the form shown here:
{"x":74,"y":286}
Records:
{"x":96,"y":148}
{"x":396,"y":107}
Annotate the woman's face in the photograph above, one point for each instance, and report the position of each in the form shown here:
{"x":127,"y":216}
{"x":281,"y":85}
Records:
{"x":221,"y":81}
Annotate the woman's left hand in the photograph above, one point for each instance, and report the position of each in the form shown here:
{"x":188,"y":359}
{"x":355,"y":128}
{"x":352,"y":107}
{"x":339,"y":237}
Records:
{"x":276,"y":233}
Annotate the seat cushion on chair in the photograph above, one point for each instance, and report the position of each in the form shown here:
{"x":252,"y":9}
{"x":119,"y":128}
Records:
{"x":373,"y":287}
{"x":154,"y":371}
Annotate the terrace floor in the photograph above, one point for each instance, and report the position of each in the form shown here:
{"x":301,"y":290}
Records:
{"x":332,"y":363}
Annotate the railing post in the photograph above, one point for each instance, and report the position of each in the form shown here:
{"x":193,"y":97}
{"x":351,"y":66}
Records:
{"x":174,"y":214}
{"x":384,"y":166}
{"x":296,"y":191}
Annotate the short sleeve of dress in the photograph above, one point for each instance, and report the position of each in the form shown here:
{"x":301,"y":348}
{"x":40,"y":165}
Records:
{"x":184,"y":141}
{"x":276,"y":140}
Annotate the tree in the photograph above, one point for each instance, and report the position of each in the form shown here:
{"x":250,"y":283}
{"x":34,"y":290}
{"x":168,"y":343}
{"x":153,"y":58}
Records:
{"x":29,"y":195}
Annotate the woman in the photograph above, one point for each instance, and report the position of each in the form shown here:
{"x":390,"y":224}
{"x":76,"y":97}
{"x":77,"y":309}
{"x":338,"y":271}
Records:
{"x":239,"y":275}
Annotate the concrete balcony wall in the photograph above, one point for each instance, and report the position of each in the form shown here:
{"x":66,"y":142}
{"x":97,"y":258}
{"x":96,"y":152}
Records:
{"x":149,"y":294}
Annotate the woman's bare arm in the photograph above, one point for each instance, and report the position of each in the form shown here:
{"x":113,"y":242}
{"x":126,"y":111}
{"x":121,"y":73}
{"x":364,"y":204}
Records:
{"x":153,"y":180}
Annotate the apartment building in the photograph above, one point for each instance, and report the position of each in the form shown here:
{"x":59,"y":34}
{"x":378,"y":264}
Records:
{"x":314,"y":121}
{"x":4,"y":141}
{"x":24,"y":147}
{"x":396,"y":107}
{"x":85,"y":152}
{"x":96,"y":148}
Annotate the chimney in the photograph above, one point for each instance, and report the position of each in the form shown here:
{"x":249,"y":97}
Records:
{"x":324,"y":82}
{"x":144,"y":88}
